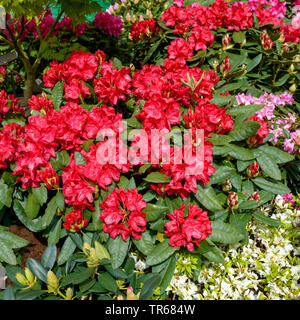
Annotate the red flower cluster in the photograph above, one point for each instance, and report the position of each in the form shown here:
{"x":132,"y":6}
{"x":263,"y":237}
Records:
{"x":74,"y":221}
{"x":180,"y":50}
{"x":49,"y":177}
{"x":200,"y":38}
{"x":209,"y":117}
{"x":235,"y":17}
{"x":113,"y":85}
{"x":40,"y":103}
{"x":143,"y":29}
{"x":189,"y":231}
{"x":122,"y":214}
{"x":8,"y":102}
{"x":261,"y":133}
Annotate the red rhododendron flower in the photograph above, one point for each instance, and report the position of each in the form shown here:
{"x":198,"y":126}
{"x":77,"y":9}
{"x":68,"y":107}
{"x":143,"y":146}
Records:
{"x":113,"y":85}
{"x":77,"y":191}
{"x":49,"y":177}
{"x":74,"y":221}
{"x":122,"y":214}
{"x":209,"y":117}
{"x":261,"y":133}
{"x":159,"y":113}
{"x":40,"y":103}
{"x":180,"y":50}
{"x":189,"y":231}
{"x":143,"y":29}
{"x":238,"y":17}
{"x":200,"y":38}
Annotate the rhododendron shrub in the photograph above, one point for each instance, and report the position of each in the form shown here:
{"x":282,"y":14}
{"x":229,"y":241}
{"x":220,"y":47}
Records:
{"x":171,"y":151}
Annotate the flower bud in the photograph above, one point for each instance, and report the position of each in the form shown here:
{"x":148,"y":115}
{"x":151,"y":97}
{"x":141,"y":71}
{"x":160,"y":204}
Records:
{"x":29,"y":275}
{"x":131,"y":295}
{"x":253,"y":170}
{"x":69,"y":294}
{"x":233,"y":201}
{"x":225,"y":67}
{"x":52,"y":282}
{"x":21,"y":279}
{"x":291,"y":69}
{"x":296,"y":58}
{"x":227,"y":185}
{"x":86,"y":246}
{"x":255,"y":196}
{"x":226,"y":39}
{"x":215,"y":65}
{"x":101,"y":251}
{"x":292,"y":88}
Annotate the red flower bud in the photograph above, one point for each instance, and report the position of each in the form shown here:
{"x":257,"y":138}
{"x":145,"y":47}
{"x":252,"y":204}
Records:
{"x":74,"y":221}
{"x":253,"y":170}
{"x":233,"y":200}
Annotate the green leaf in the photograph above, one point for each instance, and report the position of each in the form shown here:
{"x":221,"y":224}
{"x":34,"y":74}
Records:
{"x":151,"y":51}
{"x":149,"y":286}
{"x":40,"y":194}
{"x":145,"y":244}
{"x":238,"y":36}
{"x":269,"y":166}
{"x":154,"y":211}
{"x":236,"y":181}
{"x":6,"y":253}
{"x":79,"y":158}
{"x":277,"y":188}
{"x":224,"y":233}
{"x":101,"y":251}
{"x":208,"y":198}
{"x":34,"y":226}
{"x":210,"y":251}
{"x":29,"y":295}
{"x":265,"y":219}
{"x":66,"y":251}
{"x":118,"y":250}
{"x":160,"y":253}
{"x":278,"y":155}
{"x":50,"y":211}
{"x":9,"y":294}
{"x":49,"y":257}
{"x":57,"y":95}
{"x":249,"y":204}
{"x":282,"y":80}
{"x":221,"y":174}
{"x":240,"y":153}
{"x":13,"y":240}
{"x":219,"y":139}
{"x":247,"y":186}
{"x":240,"y":221}
{"x":117,"y":63}
{"x":254,"y":62}
{"x":37,"y":269}
{"x":108,"y":282}
{"x":248,"y":111}
{"x":157,"y":177}
{"x":5,"y":194}
{"x":77,"y":277}
{"x":242,"y":165}
{"x":245,"y":130}
{"x":55,"y":233}
{"x":32,"y":207}
{"x":167,"y":273}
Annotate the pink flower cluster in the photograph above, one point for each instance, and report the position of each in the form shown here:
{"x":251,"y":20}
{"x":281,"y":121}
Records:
{"x":279,"y":127}
{"x":112,"y":25}
{"x":269,"y":100}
